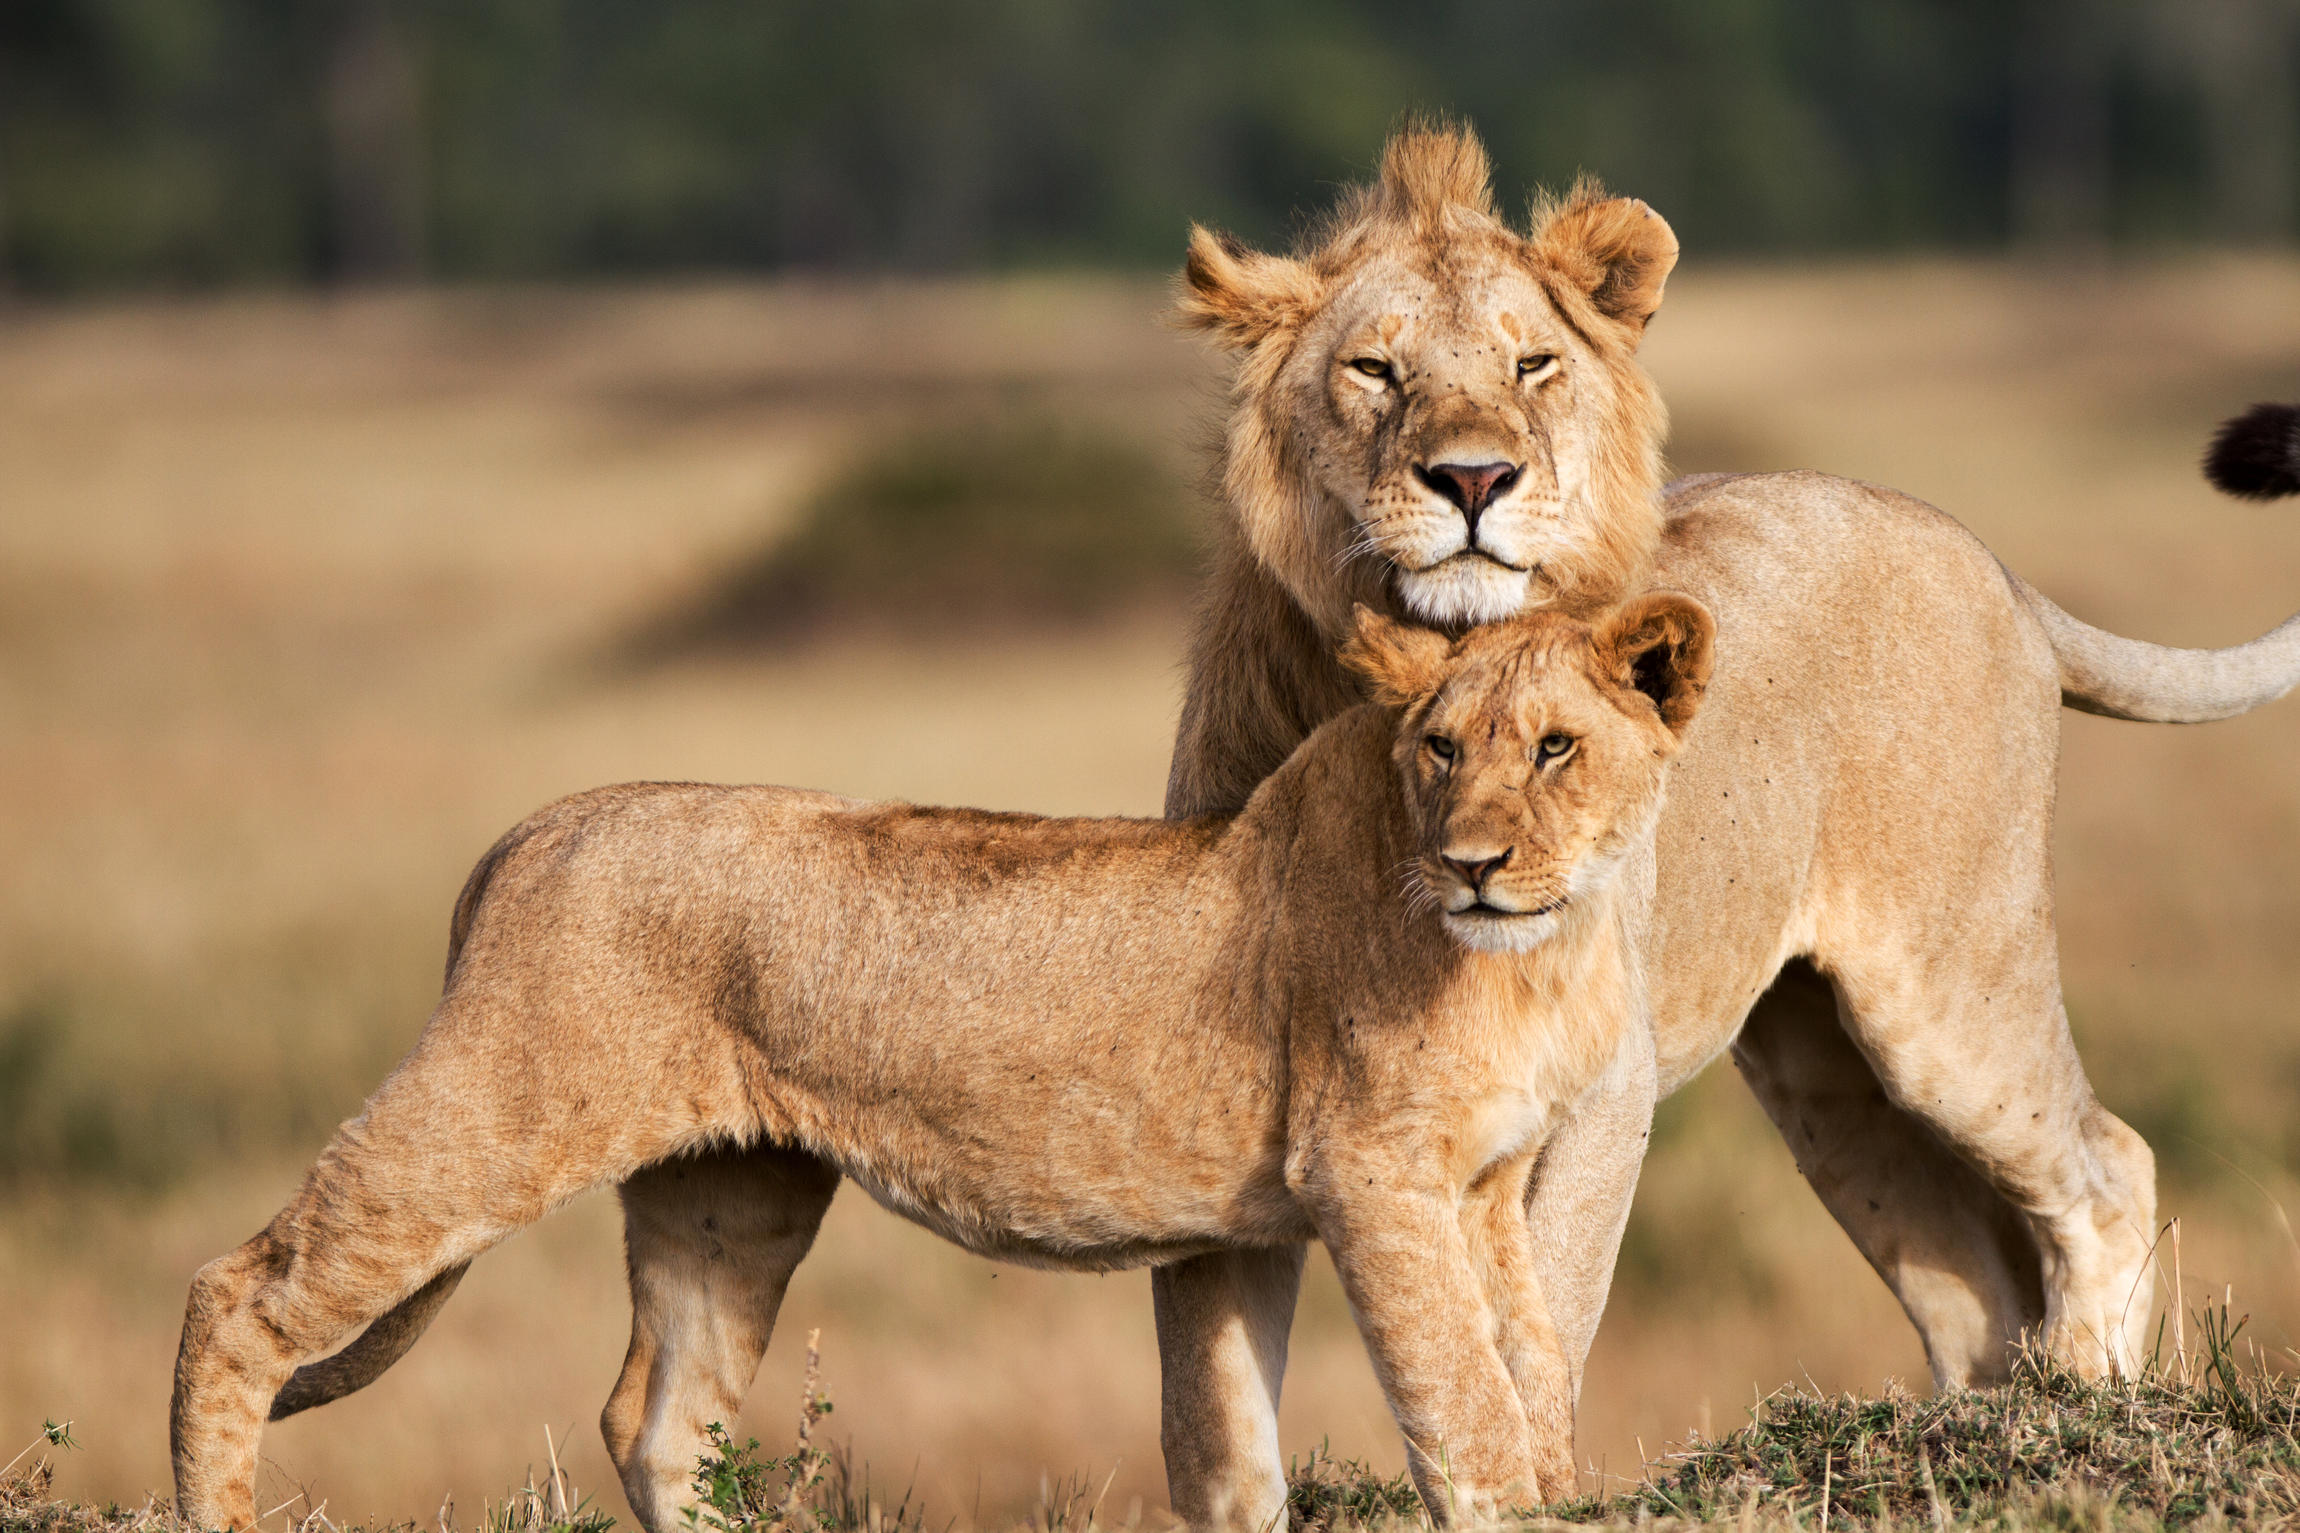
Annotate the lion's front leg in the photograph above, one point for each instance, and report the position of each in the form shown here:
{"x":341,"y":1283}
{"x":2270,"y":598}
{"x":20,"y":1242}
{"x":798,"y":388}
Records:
{"x":1406,"y":1263}
{"x":1501,"y":1249}
{"x":1578,"y":1204}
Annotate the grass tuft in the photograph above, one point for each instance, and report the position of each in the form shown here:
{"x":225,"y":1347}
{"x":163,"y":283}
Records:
{"x":810,"y":1488}
{"x":2199,"y":1439}
{"x":1325,"y":1493}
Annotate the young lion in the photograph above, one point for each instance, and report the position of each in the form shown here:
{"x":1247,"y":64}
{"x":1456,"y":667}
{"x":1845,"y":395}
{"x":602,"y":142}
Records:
{"x":1350,"y":1012}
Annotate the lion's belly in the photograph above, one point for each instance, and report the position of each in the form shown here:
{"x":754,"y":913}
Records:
{"x":1045,"y":1145}
{"x":1732,"y":856}
{"x":1115,"y":1210}
{"x":1082,"y":1240}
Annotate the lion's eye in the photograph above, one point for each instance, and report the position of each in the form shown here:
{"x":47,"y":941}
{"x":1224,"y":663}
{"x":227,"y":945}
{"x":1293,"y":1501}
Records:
{"x":1552,"y":748}
{"x":1372,"y":367}
{"x":1440,"y":747}
{"x":1539,"y":362}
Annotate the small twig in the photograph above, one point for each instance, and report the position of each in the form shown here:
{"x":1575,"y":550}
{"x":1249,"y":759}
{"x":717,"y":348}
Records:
{"x":558,"y":1481}
{"x":19,"y":1458}
{"x":1097,"y":1506}
{"x":54,"y":1434}
{"x":1932,"y":1490}
{"x":2179,"y":1309}
{"x":283,"y":1506}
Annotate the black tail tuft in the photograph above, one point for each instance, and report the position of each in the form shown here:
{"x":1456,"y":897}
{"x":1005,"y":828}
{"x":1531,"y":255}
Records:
{"x":2257,"y":454}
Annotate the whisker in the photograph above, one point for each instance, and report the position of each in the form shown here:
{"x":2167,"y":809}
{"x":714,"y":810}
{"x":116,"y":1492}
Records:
{"x":1363,"y":545}
{"x":1414,"y":885}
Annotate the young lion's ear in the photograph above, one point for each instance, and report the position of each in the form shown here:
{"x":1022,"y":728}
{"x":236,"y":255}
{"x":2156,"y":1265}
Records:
{"x":1661,"y":644}
{"x":1398,"y":662}
{"x":1239,"y":294}
{"x":1615,"y":249}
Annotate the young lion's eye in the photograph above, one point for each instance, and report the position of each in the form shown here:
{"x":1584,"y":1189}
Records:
{"x":1372,"y":367}
{"x":1539,"y":362}
{"x":1440,"y":747}
{"x":1552,"y":748}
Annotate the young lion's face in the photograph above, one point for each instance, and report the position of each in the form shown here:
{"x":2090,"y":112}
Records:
{"x":1532,"y":753}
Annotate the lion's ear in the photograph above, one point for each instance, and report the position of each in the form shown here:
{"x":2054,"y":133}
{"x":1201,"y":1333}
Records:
{"x":1398,"y":662}
{"x":1239,"y":294}
{"x":1615,"y":249}
{"x":1663,"y":645}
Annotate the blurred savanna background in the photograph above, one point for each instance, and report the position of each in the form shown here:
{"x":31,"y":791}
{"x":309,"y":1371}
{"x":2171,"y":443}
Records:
{"x":410,"y":411}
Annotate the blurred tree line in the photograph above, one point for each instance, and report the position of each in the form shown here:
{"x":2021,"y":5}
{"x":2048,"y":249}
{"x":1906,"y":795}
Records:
{"x":179,"y":142}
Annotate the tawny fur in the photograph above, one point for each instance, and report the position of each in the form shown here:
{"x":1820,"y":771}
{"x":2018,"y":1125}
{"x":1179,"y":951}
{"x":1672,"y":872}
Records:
{"x":1854,"y":880}
{"x":1079,"y":1043}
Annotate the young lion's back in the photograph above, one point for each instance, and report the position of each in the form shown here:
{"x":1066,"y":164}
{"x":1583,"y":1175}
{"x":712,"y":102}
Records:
{"x":903,"y":990}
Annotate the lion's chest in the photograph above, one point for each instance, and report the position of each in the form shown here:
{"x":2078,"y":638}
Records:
{"x":1504,"y":1123}
{"x":1489,"y":1073}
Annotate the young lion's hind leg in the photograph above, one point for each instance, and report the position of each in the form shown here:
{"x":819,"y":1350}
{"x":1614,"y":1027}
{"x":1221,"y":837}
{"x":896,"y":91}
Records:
{"x":397,"y":1198}
{"x":1223,"y":1321}
{"x":712,"y":1238}
{"x":476,"y":1135}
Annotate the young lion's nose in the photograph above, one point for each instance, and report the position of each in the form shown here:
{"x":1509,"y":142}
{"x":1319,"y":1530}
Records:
{"x":1470,"y":486}
{"x":1474,"y":871}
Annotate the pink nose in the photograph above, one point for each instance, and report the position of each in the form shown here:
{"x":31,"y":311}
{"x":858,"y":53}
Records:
{"x":1475,"y":872}
{"x":1470,"y":486}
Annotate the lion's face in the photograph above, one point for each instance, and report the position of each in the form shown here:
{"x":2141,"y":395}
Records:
{"x":1532,"y":753}
{"x":1453,"y":423}
{"x":1438,"y":415}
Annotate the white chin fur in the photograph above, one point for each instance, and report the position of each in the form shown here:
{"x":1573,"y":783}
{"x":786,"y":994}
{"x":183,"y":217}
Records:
{"x":1464,"y":591}
{"x":1503,"y":934}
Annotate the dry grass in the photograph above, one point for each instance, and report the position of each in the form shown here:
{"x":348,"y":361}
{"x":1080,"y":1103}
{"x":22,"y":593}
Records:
{"x":295,"y":597}
{"x":2201,"y":1438}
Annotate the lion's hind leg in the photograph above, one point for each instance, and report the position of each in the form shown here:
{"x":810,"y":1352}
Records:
{"x":362,"y":1234}
{"x":712,"y":1239}
{"x":1223,"y":1321}
{"x":1959,"y":1257}
{"x":1979,"y":1052}
{"x":479,"y":1132}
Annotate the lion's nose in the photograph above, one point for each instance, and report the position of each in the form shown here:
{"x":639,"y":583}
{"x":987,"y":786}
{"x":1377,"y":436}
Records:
{"x":1474,"y":871}
{"x":1470,"y":486}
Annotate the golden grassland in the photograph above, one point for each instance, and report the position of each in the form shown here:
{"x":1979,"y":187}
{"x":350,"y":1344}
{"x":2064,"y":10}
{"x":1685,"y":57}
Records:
{"x":301,"y":603}
{"x":2204,"y":1437}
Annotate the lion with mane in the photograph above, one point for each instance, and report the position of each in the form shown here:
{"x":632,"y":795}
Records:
{"x":1440,"y":415}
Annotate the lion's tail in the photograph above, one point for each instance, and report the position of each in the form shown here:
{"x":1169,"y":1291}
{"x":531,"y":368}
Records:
{"x":2105,"y":673}
{"x":386,"y":1341}
{"x":2256,"y":455}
